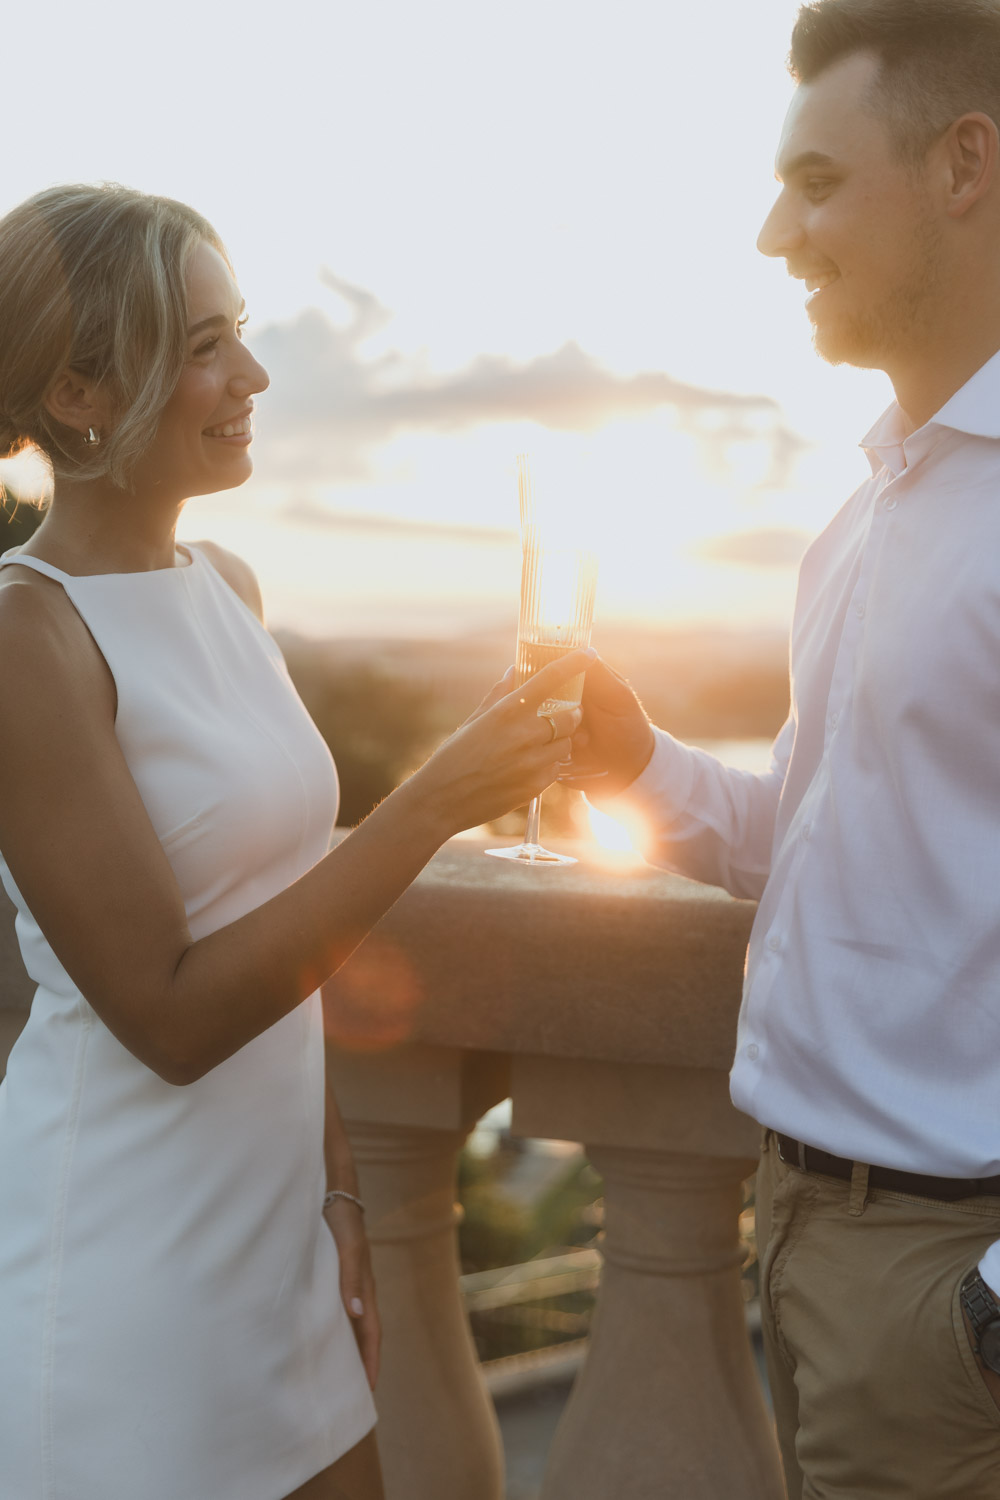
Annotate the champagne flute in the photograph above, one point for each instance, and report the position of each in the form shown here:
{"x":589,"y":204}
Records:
{"x":558,"y":584}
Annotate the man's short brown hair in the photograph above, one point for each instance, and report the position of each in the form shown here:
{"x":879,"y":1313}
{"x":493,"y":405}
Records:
{"x":938,"y":59}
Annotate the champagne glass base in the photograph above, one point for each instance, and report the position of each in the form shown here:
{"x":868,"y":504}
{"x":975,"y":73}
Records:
{"x":531,"y":854}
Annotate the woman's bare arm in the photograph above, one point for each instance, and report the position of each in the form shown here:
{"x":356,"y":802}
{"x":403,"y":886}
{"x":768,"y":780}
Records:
{"x":87,"y":861}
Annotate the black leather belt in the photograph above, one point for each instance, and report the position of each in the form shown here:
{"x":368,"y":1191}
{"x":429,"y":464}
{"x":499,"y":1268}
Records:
{"x":947,"y":1189}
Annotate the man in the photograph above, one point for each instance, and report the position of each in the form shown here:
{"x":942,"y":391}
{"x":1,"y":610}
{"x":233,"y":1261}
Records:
{"x":869,"y":1036}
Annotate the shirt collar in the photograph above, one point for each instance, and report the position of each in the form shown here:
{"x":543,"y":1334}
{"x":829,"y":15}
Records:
{"x":974,"y":410}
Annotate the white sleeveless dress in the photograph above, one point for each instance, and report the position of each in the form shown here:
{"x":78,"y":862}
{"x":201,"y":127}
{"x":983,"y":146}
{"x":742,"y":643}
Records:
{"x":171,"y":1325}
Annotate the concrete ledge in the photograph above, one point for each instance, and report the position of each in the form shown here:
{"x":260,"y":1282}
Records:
{"x":584,"y":961}
{"x":581,"y":961}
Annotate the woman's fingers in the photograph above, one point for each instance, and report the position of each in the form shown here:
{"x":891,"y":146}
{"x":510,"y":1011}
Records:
{"x":507,"y":753}
{"x":368,"y":1332}
{"x":554,"y":764}
{"x":560,"y":725}
{"x":543,"y":685}
{"x":357,"y":1290}
{"x":357,"y":1281}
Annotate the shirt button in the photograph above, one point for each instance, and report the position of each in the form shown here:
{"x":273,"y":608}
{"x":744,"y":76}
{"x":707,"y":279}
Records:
{"x":834,"y":720}
{"x":807,"y":830}
{"x":890,"y":504}
{"x":774,"y":942}
{"x":859,"y":610}
{"x":753,"y":1052}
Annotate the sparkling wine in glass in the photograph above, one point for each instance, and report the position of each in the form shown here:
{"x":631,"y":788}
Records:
{"x":558,"y":584}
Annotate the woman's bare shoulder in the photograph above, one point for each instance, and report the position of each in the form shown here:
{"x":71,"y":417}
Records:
{"x":45,"y":647}
{"x":34,"y":611}
{"x":238,"y":574}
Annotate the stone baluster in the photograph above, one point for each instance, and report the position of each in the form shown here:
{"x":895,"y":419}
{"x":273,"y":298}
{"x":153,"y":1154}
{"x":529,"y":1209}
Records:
{"x":667,"y":1403}
{"x":440,"y":1430}
{"x":408,"y":1113}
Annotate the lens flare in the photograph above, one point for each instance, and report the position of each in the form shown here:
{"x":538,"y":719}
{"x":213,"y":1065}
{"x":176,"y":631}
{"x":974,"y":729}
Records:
{"x":370,"y":1004}
{"x":619,"y":839}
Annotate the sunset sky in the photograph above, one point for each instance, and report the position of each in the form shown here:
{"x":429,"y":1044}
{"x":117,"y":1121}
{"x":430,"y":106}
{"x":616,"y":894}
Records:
{"x":467,"y":230}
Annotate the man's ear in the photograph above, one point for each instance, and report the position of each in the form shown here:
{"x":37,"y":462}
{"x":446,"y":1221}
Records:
{"x":972,"y":155}
{"x":75,"y":402}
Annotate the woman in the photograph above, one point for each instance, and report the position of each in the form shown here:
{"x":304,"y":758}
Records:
{"x":179,"y":1322}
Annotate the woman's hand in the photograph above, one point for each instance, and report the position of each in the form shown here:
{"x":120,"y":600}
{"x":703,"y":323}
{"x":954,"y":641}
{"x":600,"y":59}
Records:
{"x":504,"y":754}
{"x":357,"y":1281}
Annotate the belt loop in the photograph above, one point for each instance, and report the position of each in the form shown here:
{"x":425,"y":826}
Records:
{"x":859,"y":1189}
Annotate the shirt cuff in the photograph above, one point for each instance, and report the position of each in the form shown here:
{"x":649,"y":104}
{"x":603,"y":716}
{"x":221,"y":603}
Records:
{"x":663,"y":788}
{"x":989,"y":1269}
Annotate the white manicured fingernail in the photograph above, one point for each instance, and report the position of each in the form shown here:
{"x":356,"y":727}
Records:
{"x":357,"y":1306}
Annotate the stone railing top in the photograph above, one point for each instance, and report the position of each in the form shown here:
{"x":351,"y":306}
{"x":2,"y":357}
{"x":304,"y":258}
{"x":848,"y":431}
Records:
{"x":625,"y":964}
{"x":587,"y":961}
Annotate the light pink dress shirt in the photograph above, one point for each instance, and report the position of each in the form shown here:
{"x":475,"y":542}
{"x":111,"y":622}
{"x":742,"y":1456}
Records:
{"x":870,"y":1023}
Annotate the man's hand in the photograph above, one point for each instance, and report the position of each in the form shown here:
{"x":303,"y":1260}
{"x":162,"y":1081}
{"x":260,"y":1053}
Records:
{"x":615,"y":741}
{"x":991,"y":1379}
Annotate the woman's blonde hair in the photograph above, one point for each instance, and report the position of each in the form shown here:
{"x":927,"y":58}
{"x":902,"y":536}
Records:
{"x":92,"y":277}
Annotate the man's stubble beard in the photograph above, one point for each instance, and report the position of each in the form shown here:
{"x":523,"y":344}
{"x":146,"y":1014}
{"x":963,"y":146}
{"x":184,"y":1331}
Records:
{"x":876,"y":339}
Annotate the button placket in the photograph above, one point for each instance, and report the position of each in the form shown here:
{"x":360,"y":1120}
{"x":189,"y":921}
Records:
{"x":842,"y":680}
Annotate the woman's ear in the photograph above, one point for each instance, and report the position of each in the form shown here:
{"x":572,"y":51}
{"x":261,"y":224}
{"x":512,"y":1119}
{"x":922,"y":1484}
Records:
{"x":75,"y":402}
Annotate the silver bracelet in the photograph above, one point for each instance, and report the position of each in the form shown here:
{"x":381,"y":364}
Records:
{"x":339,"y":1193}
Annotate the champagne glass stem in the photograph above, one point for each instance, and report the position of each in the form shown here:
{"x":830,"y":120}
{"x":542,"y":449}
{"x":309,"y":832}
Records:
{"x":531,"y":831}
{"x":530,"y":851}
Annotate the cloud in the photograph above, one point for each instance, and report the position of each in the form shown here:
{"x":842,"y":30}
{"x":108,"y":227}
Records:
{"x":770,"y":547}
{"x":333,"y":404}
{"x":310,"y":513}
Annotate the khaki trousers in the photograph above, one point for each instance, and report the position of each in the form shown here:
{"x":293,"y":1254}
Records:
{"x":876,"y":1391}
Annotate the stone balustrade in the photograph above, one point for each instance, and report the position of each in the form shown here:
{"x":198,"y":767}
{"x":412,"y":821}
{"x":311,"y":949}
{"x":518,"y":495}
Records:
{"x":604,"y":1001}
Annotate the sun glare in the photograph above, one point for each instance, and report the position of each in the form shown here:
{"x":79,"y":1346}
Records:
{"x":617,"y":839}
